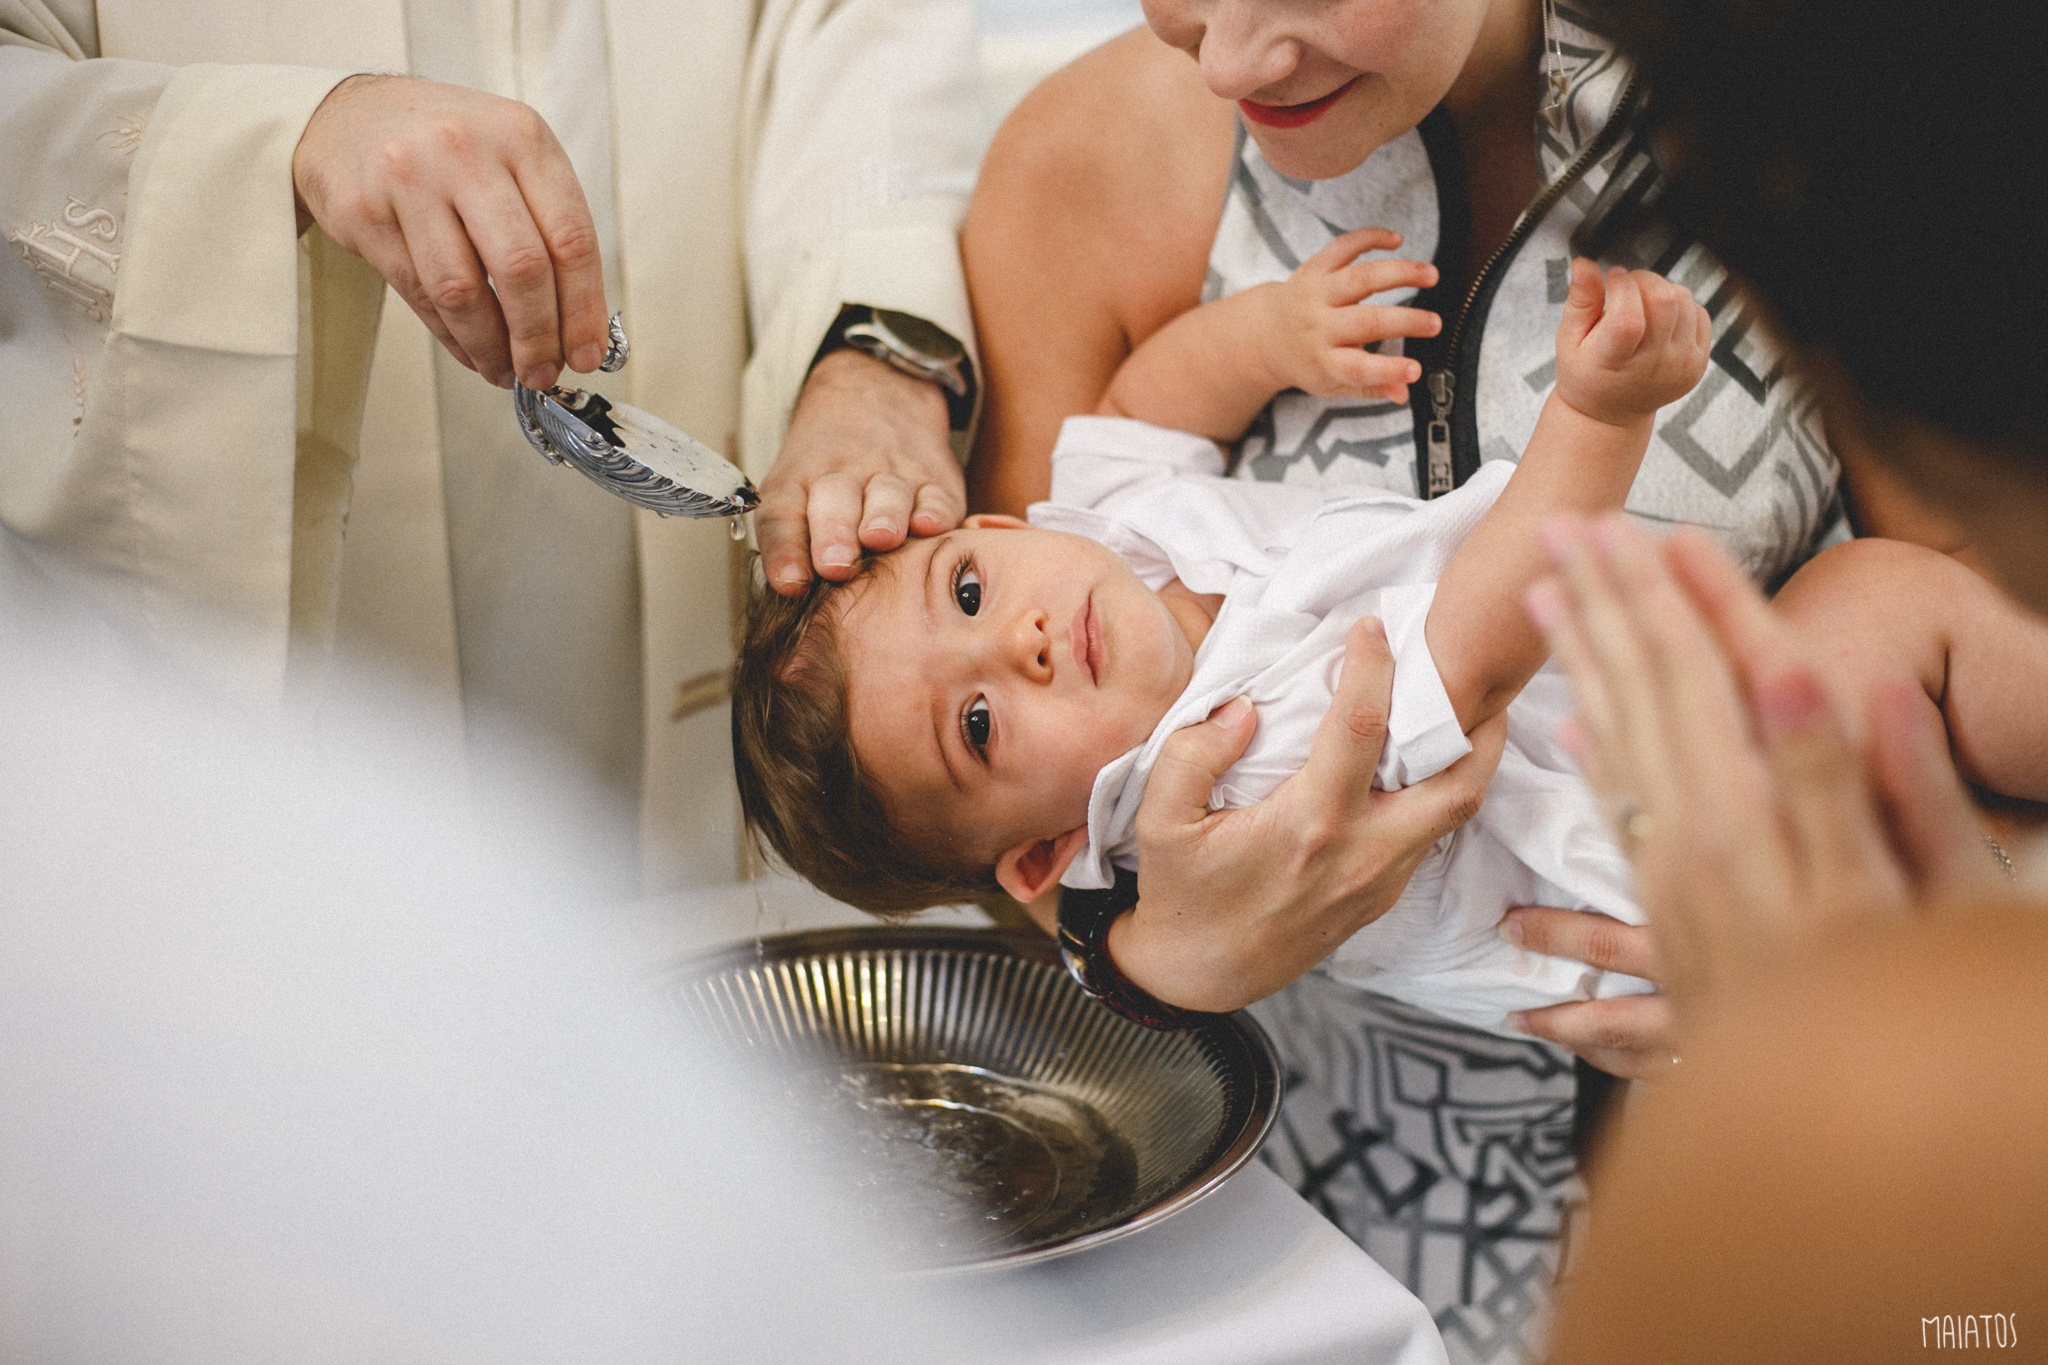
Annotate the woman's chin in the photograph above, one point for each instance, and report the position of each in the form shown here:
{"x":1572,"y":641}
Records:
{"x":1329,"y":147}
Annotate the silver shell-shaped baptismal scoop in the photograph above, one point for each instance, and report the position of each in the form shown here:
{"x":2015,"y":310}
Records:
{"x":629,"y":452}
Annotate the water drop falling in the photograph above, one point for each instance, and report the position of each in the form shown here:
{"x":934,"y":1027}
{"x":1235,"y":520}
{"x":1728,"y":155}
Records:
{"x":739,"y":529}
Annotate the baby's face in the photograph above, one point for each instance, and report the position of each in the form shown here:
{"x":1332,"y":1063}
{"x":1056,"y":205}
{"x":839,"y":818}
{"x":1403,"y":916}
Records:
{"x":992,"y":672}
{"x":1324,"y":84}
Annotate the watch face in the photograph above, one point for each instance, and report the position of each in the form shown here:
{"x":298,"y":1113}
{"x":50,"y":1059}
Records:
{"x":916,"y":337}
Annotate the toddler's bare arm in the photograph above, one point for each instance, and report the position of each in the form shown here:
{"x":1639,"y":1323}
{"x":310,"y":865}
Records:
{"x":1213,"y":368}
{"x":1626,"y":347}
{"x":1882,"y":609}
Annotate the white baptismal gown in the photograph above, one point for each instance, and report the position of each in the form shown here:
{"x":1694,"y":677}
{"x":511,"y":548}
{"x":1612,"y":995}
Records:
{"x":1296,"y":567}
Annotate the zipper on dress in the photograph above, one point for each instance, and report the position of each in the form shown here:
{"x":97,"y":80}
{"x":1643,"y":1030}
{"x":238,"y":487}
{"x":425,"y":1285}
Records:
{"x":1442,"y":381}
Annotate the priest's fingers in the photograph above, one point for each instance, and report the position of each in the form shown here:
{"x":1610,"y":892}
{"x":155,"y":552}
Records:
{"x":885,"y":512}
{"x":782,"y":528}
{"x":453,"y":282}
{"x":941,"y":502}
{"x":522,"y":275}
{"x":385,"y":250}
{"x":554,"y":197}
{"x":1632,"y":1036}
{"x":833,"y":515}
{"x":1584,"y":936}
{"x":866,"y":446}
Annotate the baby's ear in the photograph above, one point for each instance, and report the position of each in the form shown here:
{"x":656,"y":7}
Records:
{"x":1034,"y":867}
{"x":995,"y":521}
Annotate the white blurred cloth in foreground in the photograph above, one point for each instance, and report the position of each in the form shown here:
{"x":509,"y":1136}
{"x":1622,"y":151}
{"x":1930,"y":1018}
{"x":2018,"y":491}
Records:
{"x":307,"y":1059}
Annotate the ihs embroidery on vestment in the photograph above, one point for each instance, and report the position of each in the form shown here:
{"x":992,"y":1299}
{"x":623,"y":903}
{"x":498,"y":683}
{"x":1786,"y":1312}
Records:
{"x":73,"y":255}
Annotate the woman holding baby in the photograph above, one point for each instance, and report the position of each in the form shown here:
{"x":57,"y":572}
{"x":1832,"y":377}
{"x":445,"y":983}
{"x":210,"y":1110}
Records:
{"x":1139,"y":183}
{"x":1499,"y":138}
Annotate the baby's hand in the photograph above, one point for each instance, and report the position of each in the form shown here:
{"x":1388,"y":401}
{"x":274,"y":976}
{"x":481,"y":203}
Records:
{"x":1629,"y":345}
{"x":1313,"y":329}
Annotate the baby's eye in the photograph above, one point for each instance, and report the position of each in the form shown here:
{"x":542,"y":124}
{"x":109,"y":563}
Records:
{"x":967,"y":587}
{"x":975,"y":724}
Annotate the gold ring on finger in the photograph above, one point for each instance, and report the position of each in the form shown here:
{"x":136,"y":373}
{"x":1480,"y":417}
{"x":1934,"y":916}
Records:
{"x":1632,"y":821}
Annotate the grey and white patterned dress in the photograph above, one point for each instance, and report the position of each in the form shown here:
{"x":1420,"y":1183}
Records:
{"x":1445,"y":1152}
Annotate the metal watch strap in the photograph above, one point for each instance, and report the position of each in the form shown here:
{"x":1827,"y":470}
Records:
{"x":1084,"y":920}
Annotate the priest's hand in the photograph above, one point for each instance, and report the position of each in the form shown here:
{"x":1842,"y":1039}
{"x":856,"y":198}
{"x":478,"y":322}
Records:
{"x":867,"y":461}
{"x":1235,"y":904}
{"x":468,"y":205}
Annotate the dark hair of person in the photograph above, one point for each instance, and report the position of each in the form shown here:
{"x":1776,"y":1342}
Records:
{"x":1869,"y":166}
{"x":802,"y":792}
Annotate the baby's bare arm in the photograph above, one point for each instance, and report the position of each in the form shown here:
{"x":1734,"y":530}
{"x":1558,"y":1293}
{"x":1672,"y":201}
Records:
{"x":1876,"y":610}
{"x":1627,"y":345}
{"x":1198,"y":373}
{"x":1213,"y":368}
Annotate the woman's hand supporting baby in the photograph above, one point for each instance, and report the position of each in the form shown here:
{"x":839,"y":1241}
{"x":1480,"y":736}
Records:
{"x":1236,"y":904}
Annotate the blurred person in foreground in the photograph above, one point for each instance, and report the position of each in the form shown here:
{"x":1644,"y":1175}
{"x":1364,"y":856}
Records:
{"x":1851,"y":1162}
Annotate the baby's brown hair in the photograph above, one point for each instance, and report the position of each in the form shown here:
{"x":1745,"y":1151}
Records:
{"x":802,"y":791}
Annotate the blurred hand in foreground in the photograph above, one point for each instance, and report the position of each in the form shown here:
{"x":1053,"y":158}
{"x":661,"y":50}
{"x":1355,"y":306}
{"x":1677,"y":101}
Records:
{"x":1755,"y":826}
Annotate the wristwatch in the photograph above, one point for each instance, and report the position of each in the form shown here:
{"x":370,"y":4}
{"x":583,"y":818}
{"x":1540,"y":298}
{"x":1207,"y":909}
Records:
{"x":909,"y":344}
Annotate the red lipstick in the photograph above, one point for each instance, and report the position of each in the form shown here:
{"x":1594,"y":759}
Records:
{"x":1293,"y":115}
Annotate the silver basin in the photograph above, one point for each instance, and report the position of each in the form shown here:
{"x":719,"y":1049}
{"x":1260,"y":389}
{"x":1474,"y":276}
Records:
{"x":1019,"y":1119}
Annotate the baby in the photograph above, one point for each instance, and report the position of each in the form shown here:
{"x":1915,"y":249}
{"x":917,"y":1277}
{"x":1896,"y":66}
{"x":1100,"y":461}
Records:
{"x":980,"y":711}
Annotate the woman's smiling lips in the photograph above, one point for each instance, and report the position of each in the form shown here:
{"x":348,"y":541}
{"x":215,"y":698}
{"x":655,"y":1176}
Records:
{"x":1084,"y":640}
{"x":1292,"y":115}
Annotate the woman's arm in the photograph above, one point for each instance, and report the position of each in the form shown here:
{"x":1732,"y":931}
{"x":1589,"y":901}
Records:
{"x":1089,"y":230}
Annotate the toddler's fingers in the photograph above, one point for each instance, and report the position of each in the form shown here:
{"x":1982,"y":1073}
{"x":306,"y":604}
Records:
{"x":1367,"y":372}
{"x":1622,"y":323}
{"x":1363,"y":279}
{"x":1341,"y":251}
{"x":1582,"y":304}
{"x":1356,"y":324}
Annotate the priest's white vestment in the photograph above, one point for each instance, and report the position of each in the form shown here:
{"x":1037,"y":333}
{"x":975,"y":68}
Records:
{"x":190,"y":383}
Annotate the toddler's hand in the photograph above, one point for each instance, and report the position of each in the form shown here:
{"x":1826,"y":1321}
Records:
{"x":1313,"y":328}
{"x":1629,"y":345}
